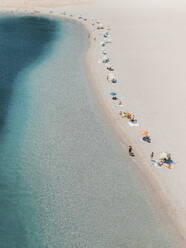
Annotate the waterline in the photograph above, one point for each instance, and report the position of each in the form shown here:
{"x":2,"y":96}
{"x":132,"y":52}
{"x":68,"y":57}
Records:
{"x":78,"y":190}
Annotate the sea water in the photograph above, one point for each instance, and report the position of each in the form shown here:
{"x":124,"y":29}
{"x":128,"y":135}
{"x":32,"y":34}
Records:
{"x":64,"y":180}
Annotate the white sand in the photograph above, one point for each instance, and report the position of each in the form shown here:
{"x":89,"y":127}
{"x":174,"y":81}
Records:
{"x":149,"y":53}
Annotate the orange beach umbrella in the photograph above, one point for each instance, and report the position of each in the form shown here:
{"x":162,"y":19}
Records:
{"x":127,"y":114}
{"x":143,"y":132}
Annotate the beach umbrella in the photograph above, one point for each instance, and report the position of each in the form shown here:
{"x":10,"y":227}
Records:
{"x":113,"y":93}
{"x":106,"y":34}
{"x":165,"y":155}
{"x":127,"y":114}
{"x":143,"y":132}
{"x":100,"y":26}
{"x":102,"y":43}
{"x":111,"y":77}
{"x":105,"y":59}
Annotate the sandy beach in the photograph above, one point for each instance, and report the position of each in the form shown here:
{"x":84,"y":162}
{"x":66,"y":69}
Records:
{"x":148,"y":53}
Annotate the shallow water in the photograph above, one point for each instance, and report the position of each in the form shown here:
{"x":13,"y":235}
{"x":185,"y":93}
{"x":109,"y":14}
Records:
{"x":64,"y":179}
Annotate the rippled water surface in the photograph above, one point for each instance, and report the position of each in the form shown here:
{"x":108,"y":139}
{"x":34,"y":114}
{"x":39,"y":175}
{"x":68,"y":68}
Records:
{"x":64,"y":181}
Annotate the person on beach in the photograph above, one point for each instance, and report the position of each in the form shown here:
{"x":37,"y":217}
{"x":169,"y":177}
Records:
{"x":160,"y":163}
{"x":119,"y":103}
{"x":152,"y":155}
{"x":147,"y":138}
{"x":130,"y":151}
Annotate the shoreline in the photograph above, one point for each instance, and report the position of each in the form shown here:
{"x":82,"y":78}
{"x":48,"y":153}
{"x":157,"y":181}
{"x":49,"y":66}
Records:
{"x":138,"y":163}
{"x":121,"y":132}
{"x":152,"y":186}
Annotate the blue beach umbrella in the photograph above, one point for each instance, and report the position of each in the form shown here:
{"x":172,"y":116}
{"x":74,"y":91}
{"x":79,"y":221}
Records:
{"x":113,"y":93}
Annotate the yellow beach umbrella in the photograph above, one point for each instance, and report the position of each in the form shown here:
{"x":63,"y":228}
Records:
{"x":165,"y":155}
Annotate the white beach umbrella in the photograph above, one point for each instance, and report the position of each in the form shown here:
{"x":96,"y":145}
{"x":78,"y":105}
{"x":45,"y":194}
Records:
{"x":165,"y":155}
{"x":106,"y":34}
{"x":105,"y":59}
{"x":102,"y":43}
{"x":112,"y":78}
{"x":100,"y":26}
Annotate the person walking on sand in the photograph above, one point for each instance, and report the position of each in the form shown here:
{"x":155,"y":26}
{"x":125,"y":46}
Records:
{"x":130,"y":150}
{"x":152,"y":156}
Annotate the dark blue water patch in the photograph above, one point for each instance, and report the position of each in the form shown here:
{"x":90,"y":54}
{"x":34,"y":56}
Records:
{"x":23,"y":42}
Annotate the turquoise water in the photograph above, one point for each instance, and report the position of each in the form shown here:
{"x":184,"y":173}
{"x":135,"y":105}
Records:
{"x":22,"y":43}
{"x":64,"y":181}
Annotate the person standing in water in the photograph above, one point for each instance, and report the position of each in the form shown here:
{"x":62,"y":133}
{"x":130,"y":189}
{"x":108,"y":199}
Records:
{"x":152,"y":155}
{"x":130,"y":150}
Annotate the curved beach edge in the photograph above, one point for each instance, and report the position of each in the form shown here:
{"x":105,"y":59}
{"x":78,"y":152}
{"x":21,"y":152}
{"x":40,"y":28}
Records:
{"x":125,"y":136}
